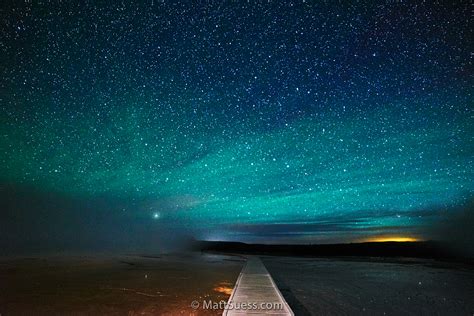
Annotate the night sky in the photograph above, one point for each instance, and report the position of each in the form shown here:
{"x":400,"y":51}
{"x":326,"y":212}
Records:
{"x":248,"y":121}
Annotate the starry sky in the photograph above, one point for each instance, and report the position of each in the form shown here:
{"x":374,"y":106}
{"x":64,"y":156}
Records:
{"x":285,"y":121}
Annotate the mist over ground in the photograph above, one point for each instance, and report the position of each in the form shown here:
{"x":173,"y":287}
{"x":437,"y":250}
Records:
{"x":32,"y":221}
{"x":454,"y":228}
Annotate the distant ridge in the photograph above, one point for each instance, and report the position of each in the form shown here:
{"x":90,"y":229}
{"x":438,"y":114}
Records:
{"x":417,"y":249}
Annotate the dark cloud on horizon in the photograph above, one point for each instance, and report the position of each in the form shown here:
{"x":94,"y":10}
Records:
{"x":451,"y":225}
{"x":335,"y":223}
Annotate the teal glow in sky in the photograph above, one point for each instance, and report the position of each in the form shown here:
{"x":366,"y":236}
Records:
{"x":321,"y":124}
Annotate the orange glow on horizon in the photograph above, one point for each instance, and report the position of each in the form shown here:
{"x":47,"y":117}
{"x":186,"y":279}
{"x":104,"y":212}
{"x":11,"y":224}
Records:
{"x":391,"y":238}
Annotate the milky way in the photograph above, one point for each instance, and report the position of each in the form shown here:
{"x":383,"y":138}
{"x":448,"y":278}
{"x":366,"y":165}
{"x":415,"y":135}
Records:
{"x":256,"y":121}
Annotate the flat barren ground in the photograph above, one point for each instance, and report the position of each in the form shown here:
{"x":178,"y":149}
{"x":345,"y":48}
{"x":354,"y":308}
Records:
{"x":115,"y":285}
{"x":168,"y":284}
{"x":371,"y":286}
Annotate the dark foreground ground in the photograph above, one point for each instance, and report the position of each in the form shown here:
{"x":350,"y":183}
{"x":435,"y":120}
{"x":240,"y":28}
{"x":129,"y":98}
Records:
{"x":167,"y":285}
{"x":124,"y":285}
{"x":371,"y":286}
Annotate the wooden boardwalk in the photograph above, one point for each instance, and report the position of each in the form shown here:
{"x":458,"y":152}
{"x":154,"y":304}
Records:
{"x":255,"y":293}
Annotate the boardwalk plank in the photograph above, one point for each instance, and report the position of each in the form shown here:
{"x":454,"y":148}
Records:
{"x":256,"y":287}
